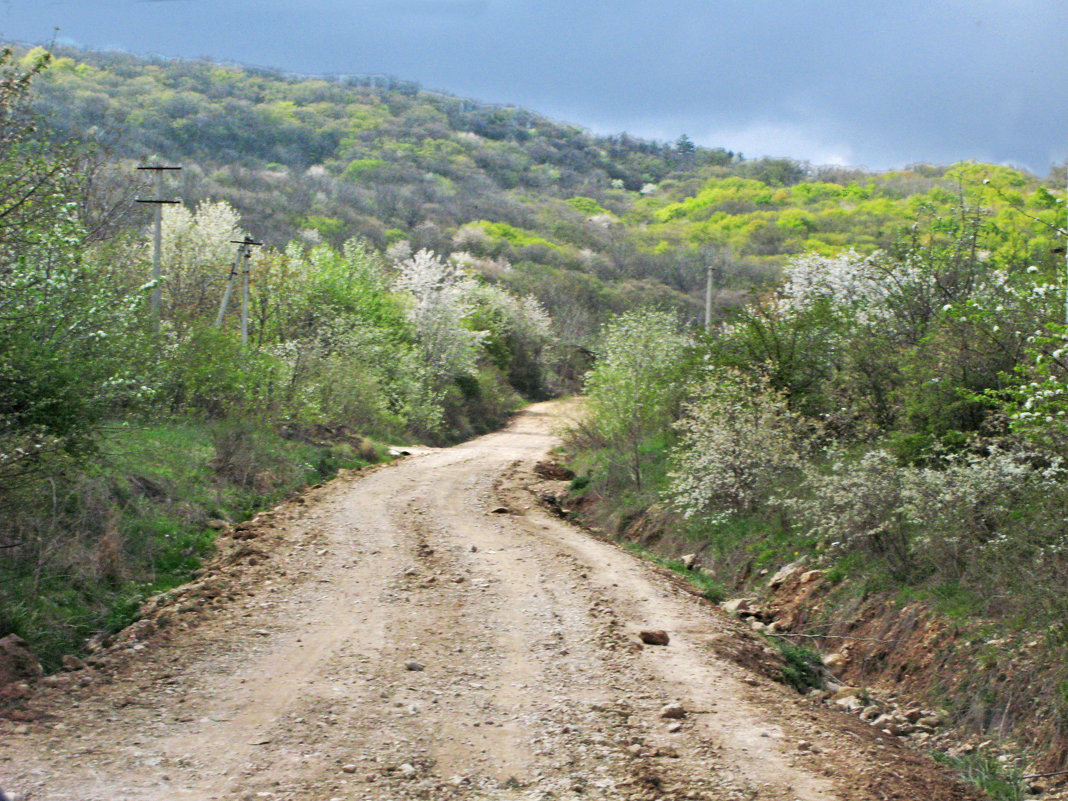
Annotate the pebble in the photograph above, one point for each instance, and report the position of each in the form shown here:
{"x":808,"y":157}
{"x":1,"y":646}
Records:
{"x":673,"y":712}
{"x":413,"y":665}
{"x":654,"y":637}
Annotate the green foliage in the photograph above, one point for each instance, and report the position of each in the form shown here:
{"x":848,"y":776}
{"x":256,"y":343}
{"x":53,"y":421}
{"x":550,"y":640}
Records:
{"x":985,"y":772}
{"x":895,"y":417}
{"x":635,"y":390}
{"x":105,"y":533}
{"x":802,"y":667}
{"x":330,"y":160}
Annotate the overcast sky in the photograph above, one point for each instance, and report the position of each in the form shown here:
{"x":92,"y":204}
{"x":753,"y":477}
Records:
{"x":864,"y":82}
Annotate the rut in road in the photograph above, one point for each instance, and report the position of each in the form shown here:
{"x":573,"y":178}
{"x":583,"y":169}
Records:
{"x":392,"y":636}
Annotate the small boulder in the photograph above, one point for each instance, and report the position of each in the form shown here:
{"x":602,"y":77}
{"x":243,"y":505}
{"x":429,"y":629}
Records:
{"x":741,"y":606}
{"x":674,"y":711}
{"x":72,"y":663}
{"x":785,"y":574}
{"x":414,"y":666}
{"x":17,"y":661}
{"x":912,"y":715}
{"x":690,"y":561}
{"x":836,"y":663}
{"x":870,"y":713}
{"x":654,"y":637}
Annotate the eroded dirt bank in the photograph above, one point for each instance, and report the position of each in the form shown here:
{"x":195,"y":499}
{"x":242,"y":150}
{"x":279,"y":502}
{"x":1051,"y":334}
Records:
{"x":425,"y":630}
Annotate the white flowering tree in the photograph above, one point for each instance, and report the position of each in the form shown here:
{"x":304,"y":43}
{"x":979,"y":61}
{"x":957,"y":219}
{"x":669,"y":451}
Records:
{"x":439,"y":303}
{"x":738,"y":439}
{"x":197,"y":257}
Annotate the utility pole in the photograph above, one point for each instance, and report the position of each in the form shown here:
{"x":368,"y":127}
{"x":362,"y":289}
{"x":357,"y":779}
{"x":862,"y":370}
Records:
{"x":157,"y":240}
{"x":230,"y":285}
{"x":708,"y":297}
{"x":244,"y":257}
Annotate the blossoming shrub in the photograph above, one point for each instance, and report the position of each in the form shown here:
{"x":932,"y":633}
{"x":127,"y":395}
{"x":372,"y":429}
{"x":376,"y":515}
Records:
{"x":943,"y":522}
{"x":738,"y":439}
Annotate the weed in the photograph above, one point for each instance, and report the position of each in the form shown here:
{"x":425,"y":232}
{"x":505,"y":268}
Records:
{"x":579,"y":483}
{"x":985,"y":772}
{"x":802,"y":668}
{"x":709,"y":586}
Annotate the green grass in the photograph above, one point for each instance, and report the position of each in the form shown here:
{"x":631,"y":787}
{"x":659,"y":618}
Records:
{"x":102,"y":536}
{"x":985,"y":772}
{"x":802,"y":667}
{"x":710,"y":588}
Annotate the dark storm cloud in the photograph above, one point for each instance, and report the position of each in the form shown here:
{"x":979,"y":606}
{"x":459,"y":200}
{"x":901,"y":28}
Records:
{"x":826,"y":80}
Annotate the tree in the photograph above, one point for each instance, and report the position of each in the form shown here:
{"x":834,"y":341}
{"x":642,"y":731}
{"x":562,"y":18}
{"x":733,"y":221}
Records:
{"x":65,"y":341}
{"x":636,"y":387}
{"x":439,"y":301}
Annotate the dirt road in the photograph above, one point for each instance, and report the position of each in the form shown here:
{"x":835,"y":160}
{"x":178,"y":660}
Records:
{"x":391,"y":636}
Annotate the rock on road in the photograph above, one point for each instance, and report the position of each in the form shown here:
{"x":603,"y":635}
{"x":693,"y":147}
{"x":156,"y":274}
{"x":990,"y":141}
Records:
{"x":390,"y":635}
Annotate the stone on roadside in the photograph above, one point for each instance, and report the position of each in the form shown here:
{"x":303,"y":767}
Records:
{"x":71,"y":663}
{"x":654,"y":637}
{"x":407,"y":770}
{"x":785,"y":574}
{"x":836,"y":663}
{"x":870,"y":713}
{"x":17,"y":661}
{"x":689,"y":561}
{"x":675,"y":711}
{"x":740,"y":606}
{"x":414,"y":666}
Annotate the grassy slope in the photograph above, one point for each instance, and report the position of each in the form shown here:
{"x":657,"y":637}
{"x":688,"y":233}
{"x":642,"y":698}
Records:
{"x":134,"y":520}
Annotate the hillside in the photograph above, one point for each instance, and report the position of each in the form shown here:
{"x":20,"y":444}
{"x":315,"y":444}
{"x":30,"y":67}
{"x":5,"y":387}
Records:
{"x":592,"y":225}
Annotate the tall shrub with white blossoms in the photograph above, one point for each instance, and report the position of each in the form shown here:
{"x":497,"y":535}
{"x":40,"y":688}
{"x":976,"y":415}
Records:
{"x":738,"y":439}
{"x":439,"y":303}
{"x":197,"y":256}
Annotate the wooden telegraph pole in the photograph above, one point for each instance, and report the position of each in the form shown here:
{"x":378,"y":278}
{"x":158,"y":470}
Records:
{"x":241,"y":262}
{"x":157,"y":240}
{"x":708,"y":297}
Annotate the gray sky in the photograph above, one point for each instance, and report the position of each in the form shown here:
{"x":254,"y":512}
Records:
{"x":865,"y":82}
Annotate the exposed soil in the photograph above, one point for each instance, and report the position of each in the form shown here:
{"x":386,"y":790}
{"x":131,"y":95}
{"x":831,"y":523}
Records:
{"x":426,"y":630}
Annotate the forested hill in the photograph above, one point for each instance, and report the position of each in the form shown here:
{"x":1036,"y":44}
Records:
{"x":592,"y":225}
